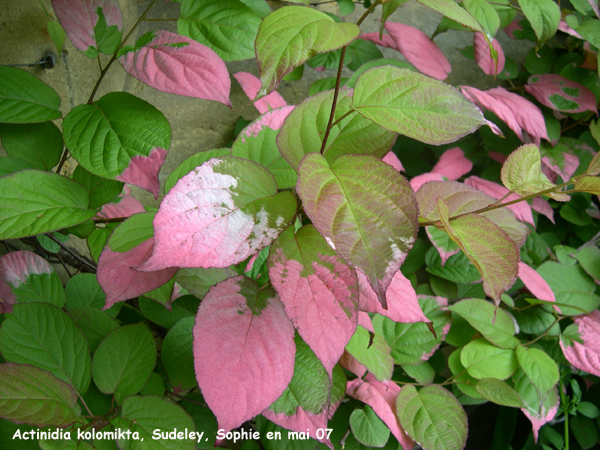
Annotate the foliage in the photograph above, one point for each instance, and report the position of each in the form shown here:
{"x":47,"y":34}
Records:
{"x":297,"y":283}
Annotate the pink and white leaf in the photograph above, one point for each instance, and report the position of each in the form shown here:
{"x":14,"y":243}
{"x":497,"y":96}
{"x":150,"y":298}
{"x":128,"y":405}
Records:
{"x":318,"y":290}
{"x":244,"y":350}
{"x":204,"y":221}
{"x":420,"y":180}
{"x":543,"y":207}
{"x":15,"y":269}
{"x":271,"y":119}
{"x":143,"y":171}
{"x":453,"y":164}
{"x":382,"y":398}
{"x":302,"y":421}
{"x":483,"y":58}
{"x":120,"y":282}
{"x":585,"y":356}
{"x":561,"y":94}
{"x":251,"y":85}
{"x":522,"y":210}
{"x":403,"y":304}
{"x":179,"y":65}
{"x":79,"y":17}
{"x":391,"y":159}
{"x":535,"y":283}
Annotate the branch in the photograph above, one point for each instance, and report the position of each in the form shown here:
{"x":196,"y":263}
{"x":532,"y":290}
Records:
{"x":83,"y":261}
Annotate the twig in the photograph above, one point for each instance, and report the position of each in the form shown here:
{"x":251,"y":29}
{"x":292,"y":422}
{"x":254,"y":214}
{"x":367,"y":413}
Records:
{"x":83,"y":261}
{"x":64,"y":265}
{"x":63,"y":160}
{"x":114,"y":56}
{"x":342,"y":118}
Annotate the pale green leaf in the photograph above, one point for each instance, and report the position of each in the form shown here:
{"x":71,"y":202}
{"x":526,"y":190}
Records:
{"x":485,"y":360}
{"x":368,"y":429}
{"x":415,"y":105}
{"x":57,"y":34}
{"x":422,"y":373}
{"x":290,"y":36}
{"x":485,"y":14}
{"x":34,"y":396}
{"x":433,"y":417}
{"x":499,"y":392}
{"x":588,"y":184}
{"x":543,"y":15}
{"x":34,"y":202}
{"x":373,"y":352}
{"x":465,"y":382}
{"x":451,"y":10}
{"x":539,"y":367}
{"x":26,"y":99}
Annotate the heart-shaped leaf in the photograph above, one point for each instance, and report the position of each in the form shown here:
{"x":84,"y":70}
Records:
{"x":485,"y":360}
{"x":365,"y":210}
{"x":543,"y":15}
{"x":290,"y":36}
{"x":318,"y":289}
{"x":258,"y":365}
{"x":179,"y":65}
{"x":220,"y":214}
{"x":415,"y":105}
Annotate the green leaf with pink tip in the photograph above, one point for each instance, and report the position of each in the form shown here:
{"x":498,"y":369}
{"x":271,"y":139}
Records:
{"x":416,"y":106}
{"x":290,"y":36}
{"x":121,"y":137}
{"x":491,"y":250}
{"x":364,"y":209}
{"x":303,"y":130}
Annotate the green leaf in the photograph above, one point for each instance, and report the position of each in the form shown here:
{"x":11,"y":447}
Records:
{"x":26,"y":99}
{"x":162,"y":294}
{"x":485,"y":14}
{"x":365,"y":210}
{"x":309,"y":387}
{"x":124,"y":361}
{"x":588,"y":184}
{"x":12,"y":165}
{"x":522,"y":173}
{"x":378,"y":63}
{"x":228,"y":27}
{"x":133,"y":231}
{"x":413,"y":343}
{"x":499,"y":392}
{"x":388,"y":9}
{"x":260,"y":7}
{"x":585,"y":431}
{"x":303,"y":130}
{"x":572,"y":287}
{"x":107,"y":37}
{"x":346,"y":7}
{"x":105,"y":136}
{"x":34,"y":202}
{"x":433,"y":417}
{"x":373,"y":352}
{"x":198,"y":281}
{"x":191,"y":163}
{"x":543,"y":15}
{"x":367,"y":428}
{"x":295,"y":74}
{"x":147,"y":414}
{"x":491,"y":250}
{"x":8,"y":430}
{"x":43,"y":287}
{"x":537,"y":321}
{"x":465,"y":382}
{"x":457,"y":268}
{"x":44,"y":336}
{"x":484,"y":360}
{"x":590,"y":31}
{"x":415,"y":105}
{"x":34,"y":396}
{"x":423,"y":373}
{"x":177,"y":356}
{"x":493,"y":323}
{"x":83,"y":290}
{"x":325,"y":61}
{"x":101,"y":190}
{"x":203,"y":418}
{"x":310,"y":31}
{"x":186,"y":306}
{"x":361,"y":52}
{"x":58,"y":35}
{"x":505,"y":11}
{"x":95,"y":324}
{"x":539,"y":367}
{"x":589,"y":258}
{"x":451,"y":10}
{"x":588,"y":410}
{"x":38,"y":144}
{"x":154,"y":386}
{"x":324,"y":84}
{"x":98,"y":239}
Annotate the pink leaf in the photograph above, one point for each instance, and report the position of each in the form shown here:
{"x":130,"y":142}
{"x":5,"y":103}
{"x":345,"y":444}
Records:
{"x":382,"y":398}
{"x":561,"y":94}
{"x":562,"y":26}
{"x":219,"y":214}
{"x":79,"y":17}
{"x":571,"y":163}
{"x":391,"y":159}
{"x":515,"y":25}
{"x":143,"y":171}
{"x":542,"y":206}
{"x":416,"y":47}
{"x":15,"y":269}
{"x":444,"y":247}
{"x":547,"y":412}
{"x":522,"y":210}
{"x":585,"y":356}
{"x":251,"y":85}
{"x":318,"y":289}
{"x":535,"y":283}
{"x":489,"y":102}
{"x":120,"y":282}
{"x":453,"y":164}
{"x":271,"y":119}
{"x":497,"y":156}
{"x":243,"y":350}
{"x":483,"y":57}
{"x":403,"y":305}
{"x":179,"y":65}
{"x":302,"y":421}
{"x":349,"y":362}
{"x":126,"y":207}
{"x":420,"y":180}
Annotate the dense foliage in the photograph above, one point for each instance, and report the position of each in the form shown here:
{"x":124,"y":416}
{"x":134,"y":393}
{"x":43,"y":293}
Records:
{"x":297,"y":284}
